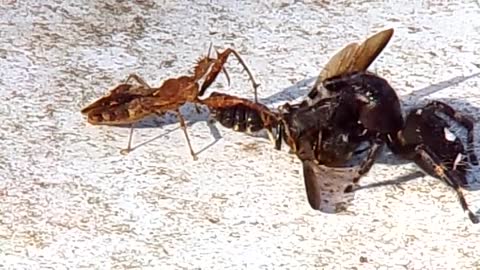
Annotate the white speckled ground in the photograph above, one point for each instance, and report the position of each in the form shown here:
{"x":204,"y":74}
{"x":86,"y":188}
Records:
{"x":68,"y":199}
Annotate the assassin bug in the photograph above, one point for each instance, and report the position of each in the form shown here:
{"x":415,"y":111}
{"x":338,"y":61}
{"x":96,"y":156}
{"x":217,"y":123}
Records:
{"x":128,"y":103}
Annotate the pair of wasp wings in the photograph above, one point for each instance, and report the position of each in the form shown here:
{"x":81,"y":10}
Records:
{"x":326,"y":186}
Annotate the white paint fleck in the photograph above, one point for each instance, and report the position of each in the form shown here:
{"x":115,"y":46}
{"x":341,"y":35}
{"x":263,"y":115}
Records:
{"x":458,"y":159}
{"x":449,"y":136}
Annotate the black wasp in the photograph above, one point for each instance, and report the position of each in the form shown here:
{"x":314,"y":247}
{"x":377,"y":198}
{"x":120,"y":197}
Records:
{"x":348,"y":107}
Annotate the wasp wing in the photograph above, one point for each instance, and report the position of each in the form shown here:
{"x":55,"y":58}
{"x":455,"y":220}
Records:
{"x":326,"y":186}
{"x":353,"y":57}
{"x":356,"y":57}
{"x":369,"y":50}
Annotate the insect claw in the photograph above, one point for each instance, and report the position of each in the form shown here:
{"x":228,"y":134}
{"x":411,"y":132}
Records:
{"x":125,"y":151}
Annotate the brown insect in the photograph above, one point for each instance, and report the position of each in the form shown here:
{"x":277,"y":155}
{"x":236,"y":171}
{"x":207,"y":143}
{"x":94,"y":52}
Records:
{"x":127,"y":103}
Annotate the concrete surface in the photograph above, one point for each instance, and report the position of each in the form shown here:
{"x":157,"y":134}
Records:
{"x":69,"y":200}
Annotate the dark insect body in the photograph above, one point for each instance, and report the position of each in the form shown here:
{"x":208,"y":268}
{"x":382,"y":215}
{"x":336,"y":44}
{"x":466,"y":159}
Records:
{"x":325,"y":130}
{"x":348,"y":107}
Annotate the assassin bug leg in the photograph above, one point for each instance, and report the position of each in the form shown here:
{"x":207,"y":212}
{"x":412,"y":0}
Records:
{"x":184,"y":128}
{"x":138,"y":79}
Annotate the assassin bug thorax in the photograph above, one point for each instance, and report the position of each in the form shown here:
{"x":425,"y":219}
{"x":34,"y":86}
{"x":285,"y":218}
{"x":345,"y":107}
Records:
{"x":128,"y":103}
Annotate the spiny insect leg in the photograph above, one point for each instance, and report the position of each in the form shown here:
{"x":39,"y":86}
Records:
{"x":464,"y":205}
{"x":218,"y":66}
{"x":449,"y":177}
{"x":369,"y":160}
{"x":254,"y":84}
{"x":463,"y":120}
{"x":226,"y":75}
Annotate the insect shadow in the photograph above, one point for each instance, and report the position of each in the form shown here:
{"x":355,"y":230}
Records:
{"x":168,"y":118}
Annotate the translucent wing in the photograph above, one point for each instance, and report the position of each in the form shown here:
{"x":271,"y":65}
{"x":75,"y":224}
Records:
{"x":370,"y":49}
{"x":356,"y":57}
{"x":353,"y":57}
{"x":340,"y":63}
{"x":326,"y":186}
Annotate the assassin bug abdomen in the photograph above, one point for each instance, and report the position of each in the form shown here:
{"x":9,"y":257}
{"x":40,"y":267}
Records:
{"x":241,"y":114}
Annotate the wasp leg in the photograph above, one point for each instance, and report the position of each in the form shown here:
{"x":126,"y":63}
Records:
{"x":460,"y":118}
{"x":369,"y":160}
{"x":428,"y":158}
{"x":129,"y":146}
{"x":138,"y":79}
{"x":184,"y":128}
